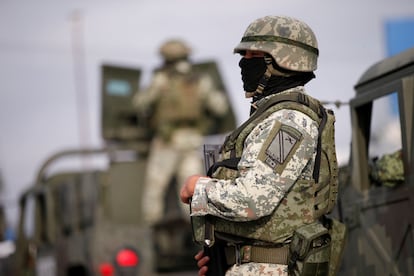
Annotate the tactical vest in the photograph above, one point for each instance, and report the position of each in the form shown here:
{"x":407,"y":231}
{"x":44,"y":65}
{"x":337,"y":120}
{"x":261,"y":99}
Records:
{"x":306,"y":200}
{"x":180,"y":103}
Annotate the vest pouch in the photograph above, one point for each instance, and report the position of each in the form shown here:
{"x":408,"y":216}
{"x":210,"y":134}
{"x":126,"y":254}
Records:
{"x":203,"y":230}
{"x":338,"y":235}
{"x":309,"y":251}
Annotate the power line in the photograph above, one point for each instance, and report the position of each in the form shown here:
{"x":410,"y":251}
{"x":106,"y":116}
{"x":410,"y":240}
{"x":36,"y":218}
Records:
{"x":337,"y":103}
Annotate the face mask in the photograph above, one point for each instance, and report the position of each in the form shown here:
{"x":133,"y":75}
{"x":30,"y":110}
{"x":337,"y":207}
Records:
{"x":252,"y":70}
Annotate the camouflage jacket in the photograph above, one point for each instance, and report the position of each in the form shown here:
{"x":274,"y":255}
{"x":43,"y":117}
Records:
{"x":277,"y":157}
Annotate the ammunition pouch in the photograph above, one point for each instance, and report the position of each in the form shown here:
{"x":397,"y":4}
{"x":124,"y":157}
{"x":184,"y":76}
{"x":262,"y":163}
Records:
{"x":203,"y":230}
{"x":316,"y":249}
{"x":310,"y":251}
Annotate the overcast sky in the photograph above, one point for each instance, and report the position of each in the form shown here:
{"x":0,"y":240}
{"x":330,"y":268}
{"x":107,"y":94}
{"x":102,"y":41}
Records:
{"x":38,"y":86}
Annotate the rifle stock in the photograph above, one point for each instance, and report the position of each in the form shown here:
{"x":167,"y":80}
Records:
{"x":217,"y":266}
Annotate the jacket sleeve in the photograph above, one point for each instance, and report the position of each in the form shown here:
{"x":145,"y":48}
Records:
{"x":276,"y":153}
{"x":144,"y":100}
{"x":215,"y":101}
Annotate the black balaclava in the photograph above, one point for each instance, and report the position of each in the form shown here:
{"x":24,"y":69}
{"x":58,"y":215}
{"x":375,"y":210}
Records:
{"x":253,"y":71}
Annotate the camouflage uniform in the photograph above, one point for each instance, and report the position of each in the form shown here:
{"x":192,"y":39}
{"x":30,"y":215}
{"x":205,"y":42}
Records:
{"x":254,"y":194}
{"x":388,"y":170}
{"x":175,"y":101}
{"x":270,"y":193}
{"x":255,"y":269}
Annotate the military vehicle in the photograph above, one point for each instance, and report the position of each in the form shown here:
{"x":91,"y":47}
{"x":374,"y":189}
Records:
{"x":376,"y":199}
{"x":87,"y":220}
{"x":6,"y":243}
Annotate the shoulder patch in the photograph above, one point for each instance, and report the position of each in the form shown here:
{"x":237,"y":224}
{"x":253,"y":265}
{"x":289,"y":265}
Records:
{"x":278,"y":148}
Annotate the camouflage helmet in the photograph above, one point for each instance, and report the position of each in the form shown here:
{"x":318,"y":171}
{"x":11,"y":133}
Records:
{"x":290,"y":42}
{"x":174,"y":49}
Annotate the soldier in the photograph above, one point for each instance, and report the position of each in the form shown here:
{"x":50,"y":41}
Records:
{"x":388,"y":170}
{"x":177,"y":103}
{"x":262,"y":207}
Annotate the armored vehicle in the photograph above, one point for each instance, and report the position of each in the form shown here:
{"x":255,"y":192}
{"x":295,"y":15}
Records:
{"x":87,"y":220}
{"x":376,"y":197}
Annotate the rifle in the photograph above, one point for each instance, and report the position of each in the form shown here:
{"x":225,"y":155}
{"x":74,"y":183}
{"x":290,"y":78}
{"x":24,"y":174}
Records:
{"x":214,"y":248}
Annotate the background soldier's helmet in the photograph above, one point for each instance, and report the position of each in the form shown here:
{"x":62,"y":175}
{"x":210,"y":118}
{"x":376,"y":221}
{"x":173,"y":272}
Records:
{"x":174,"y":49}
{"x":290,"y":42}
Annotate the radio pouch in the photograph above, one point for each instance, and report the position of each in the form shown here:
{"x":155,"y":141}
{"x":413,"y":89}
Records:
{"x":310,"y":251}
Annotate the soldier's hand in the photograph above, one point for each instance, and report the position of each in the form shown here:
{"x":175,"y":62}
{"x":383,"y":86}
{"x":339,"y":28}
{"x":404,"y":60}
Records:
{"x":187,"y":190}
{"x":202,"y":263}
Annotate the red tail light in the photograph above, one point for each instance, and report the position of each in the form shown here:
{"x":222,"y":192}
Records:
{"x":106,"y":269}
{"x":127,"y":257}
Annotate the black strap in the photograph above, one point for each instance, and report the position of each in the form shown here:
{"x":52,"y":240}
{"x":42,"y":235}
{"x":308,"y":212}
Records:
{"x":227,"y":163}
{"x":317,"y":165}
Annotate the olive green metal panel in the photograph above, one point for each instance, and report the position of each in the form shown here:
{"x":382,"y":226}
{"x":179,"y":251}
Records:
{"x":35,"y":234}
{"x":361,"y":120}
{"x":119,"y":118}
{"x":379,"y":218}
{"x":123,"y":192}
{"x":407,"y":102}
{"x":382,"y":71}
{"x":228,"y":122}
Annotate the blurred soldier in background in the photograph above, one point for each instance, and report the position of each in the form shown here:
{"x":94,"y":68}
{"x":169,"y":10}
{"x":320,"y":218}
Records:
{"x":178,"y":104}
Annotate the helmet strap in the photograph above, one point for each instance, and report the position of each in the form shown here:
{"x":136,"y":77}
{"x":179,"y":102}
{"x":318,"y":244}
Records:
{"x":270,"y":70}
{"x":262,"y":84}
{"x":269,"y":63}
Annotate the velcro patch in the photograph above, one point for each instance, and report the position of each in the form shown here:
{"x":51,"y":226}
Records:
{"x":279,"y":146}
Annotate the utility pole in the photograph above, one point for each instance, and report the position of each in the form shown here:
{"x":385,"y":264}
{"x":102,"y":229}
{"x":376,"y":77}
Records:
{"x":80,"y":82}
